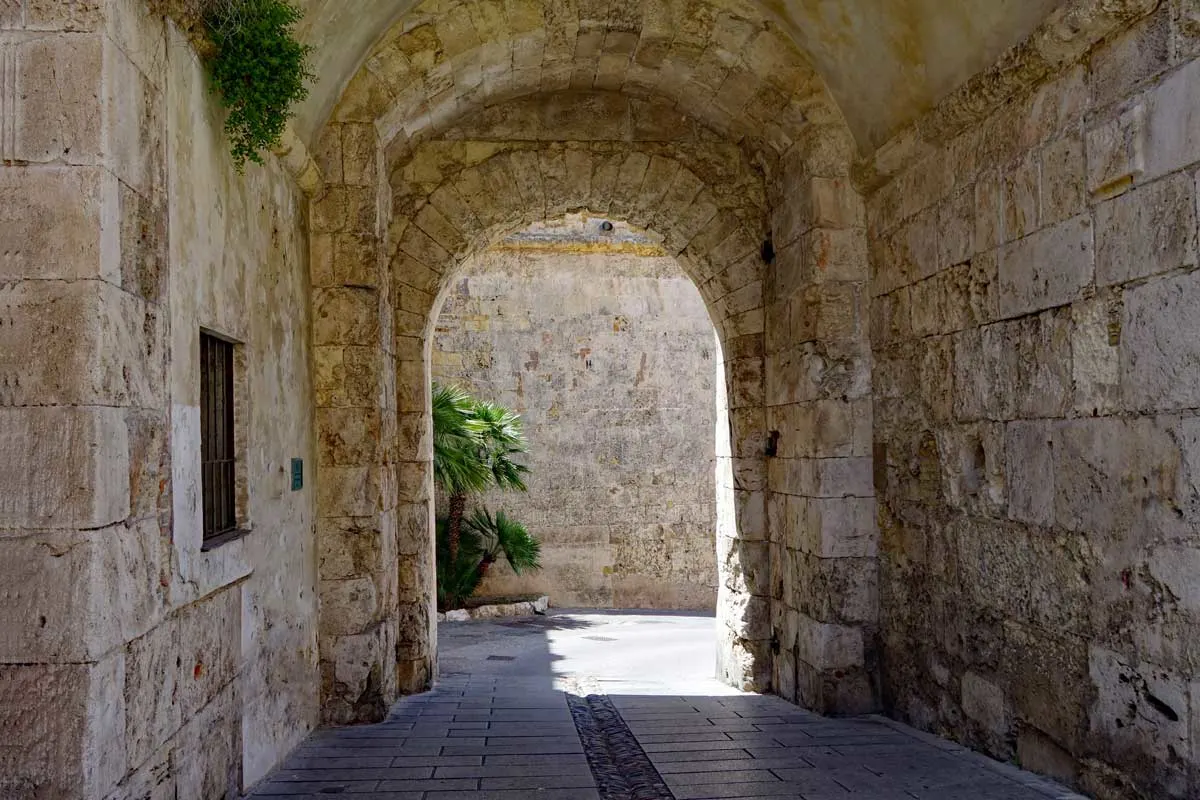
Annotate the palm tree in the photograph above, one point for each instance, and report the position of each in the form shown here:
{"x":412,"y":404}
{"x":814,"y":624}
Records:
{"x":503,"y":535}
{"x":484,"y":539}
{"x":474,"y":442}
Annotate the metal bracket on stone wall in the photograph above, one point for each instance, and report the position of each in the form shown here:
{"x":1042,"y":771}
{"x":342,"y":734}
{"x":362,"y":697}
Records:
{"x":1065,"y":36}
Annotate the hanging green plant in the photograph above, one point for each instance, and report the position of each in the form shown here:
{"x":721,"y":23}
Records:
{"x":259,"y":70}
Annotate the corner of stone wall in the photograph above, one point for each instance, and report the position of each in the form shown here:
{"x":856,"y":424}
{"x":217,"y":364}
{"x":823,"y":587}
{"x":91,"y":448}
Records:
{"x":821,"y":499}
{"x":744,"y":657}
{"x":84,"y":519}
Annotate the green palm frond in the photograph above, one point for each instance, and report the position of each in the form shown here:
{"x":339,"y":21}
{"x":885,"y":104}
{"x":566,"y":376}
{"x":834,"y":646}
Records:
{"x":503,"y":535}
{"x":503,"y":437}
{"x":474,"y":442}
{"x":457,"y":442}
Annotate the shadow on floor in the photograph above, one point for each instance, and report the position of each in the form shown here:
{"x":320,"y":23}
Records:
{"x":623,"y":706}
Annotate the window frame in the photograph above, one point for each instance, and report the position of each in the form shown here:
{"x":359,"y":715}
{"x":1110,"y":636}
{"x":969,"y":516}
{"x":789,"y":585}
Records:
{"x":220,"y":521}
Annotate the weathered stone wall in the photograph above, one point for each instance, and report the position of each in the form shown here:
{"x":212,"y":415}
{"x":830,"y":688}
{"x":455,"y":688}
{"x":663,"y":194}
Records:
{"x":1033,"y":323}
{"x":132,"y":664}
{"x":1022,"y":400}
{"x":608,"y":353}
{"x":238,"y":267}
{"x":821,"y":502}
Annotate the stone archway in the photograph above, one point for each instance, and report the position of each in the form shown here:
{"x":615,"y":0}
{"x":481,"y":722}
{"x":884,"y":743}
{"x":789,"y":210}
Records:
{"x":472,"y":206}
{"x":1008,"y":407}
{"x":427,"y":162}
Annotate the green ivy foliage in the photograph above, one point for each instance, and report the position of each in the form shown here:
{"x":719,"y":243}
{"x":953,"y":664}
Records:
{"x":258,"y":69}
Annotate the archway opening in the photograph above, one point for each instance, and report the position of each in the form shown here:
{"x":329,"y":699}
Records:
{"x":593,"y":331}
{"x":594,"y":335}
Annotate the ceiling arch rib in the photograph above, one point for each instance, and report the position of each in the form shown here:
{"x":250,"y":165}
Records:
{"x":732,"y":69}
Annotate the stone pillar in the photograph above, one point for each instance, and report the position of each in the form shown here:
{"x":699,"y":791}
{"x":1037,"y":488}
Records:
{"x":823,"y":530}
{"x":743,"y":599}
{"x":84,"y":486}
{"x":416,"y":265}
{"x":357,"y":428}
{"x":416,"y":646}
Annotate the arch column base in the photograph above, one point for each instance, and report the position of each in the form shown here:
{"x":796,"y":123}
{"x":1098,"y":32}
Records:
{"x":836,"y":692}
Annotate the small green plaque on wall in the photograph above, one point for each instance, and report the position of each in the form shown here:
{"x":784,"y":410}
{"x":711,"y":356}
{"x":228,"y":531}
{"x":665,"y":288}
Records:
{"x":297,"y":474}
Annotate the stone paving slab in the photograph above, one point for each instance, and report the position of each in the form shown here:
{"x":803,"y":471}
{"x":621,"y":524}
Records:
{"x":488,"y":736}
{"x":703,"y":749}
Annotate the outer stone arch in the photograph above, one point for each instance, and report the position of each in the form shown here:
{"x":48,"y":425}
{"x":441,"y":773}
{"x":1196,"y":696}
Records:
{"x":426,"y":161}
{"x":727,"y":64}
{"x":373,"y":326}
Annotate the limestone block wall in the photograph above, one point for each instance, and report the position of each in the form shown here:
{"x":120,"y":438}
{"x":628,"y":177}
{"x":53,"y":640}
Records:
{"x":1033,"y":320}
{"x":819,"y":414}
{"x":609,"y":355}
{"x":132,"y":662}
{"x":239,"y":268}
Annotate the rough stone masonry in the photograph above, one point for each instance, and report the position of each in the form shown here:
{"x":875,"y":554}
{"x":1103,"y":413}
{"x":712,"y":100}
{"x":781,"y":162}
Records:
{"x":949,"y":252}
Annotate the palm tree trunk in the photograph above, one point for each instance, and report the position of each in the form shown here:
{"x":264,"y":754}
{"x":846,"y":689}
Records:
{"x":458,"y":507}
{"x":484,"y":565}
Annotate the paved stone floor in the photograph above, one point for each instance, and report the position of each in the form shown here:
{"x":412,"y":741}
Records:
{"x":621,"y":706}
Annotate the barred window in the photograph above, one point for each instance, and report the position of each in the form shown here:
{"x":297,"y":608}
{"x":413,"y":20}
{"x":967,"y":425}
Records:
{"x":216,"y":436}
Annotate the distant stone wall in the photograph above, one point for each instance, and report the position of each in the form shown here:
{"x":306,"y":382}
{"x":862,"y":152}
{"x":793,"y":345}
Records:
{"x":609,"y":355}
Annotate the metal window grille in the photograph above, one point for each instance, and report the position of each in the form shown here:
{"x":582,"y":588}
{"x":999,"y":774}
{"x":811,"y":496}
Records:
{"x":216,"y":435}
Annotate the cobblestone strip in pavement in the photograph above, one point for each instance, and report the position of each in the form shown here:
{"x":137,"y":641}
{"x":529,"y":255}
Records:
{"x":619,"y":764}
{"x":498,"y":738}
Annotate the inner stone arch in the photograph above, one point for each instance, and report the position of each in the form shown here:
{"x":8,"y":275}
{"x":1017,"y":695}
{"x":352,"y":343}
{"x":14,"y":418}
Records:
{"x":743,"y":605}
{"x":474,"y":203}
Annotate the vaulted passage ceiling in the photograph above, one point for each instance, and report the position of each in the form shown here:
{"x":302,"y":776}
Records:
{"x":745,"y":67}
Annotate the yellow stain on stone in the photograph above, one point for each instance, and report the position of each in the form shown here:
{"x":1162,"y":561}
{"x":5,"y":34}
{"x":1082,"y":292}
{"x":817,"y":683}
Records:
{"x":583,"y":248}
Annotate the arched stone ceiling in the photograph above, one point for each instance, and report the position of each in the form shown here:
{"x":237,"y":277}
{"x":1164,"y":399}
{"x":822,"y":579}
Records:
{"x":885,"y":61}
{"x":731,"y":69}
